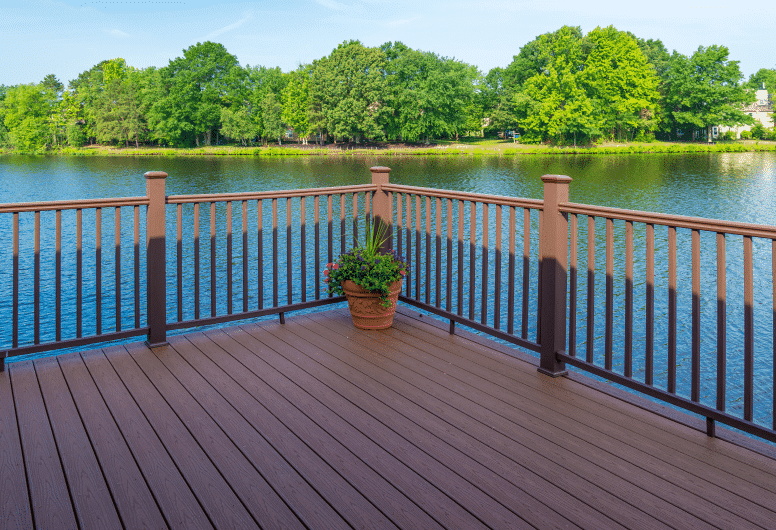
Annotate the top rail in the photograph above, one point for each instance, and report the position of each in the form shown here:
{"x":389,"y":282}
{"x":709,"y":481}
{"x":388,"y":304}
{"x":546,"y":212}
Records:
{"x":73,"y":205}
{"x":258,"y":195}
{"x":536,"y":204}
{"x":676,"y":221}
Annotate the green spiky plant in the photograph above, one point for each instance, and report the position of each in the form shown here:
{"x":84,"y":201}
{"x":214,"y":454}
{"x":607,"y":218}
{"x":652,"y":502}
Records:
{"x":367,"y":266}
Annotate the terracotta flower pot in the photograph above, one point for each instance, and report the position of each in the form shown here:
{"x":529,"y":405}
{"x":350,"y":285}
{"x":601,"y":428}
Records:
{"x":365,"y":305}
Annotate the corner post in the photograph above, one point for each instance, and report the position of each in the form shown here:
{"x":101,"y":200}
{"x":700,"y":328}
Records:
{"x":381,"y":205}
{"x":156,"y":285}
{"x":553,"y":252}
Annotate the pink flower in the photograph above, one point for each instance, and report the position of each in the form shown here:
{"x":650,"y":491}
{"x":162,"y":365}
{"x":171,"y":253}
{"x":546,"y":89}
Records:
{"x":326,"y":272}
{"x":326,"y":279}
{"x":335,"y":266}
{"x":403,"y":273}
{"x":329,"y":265}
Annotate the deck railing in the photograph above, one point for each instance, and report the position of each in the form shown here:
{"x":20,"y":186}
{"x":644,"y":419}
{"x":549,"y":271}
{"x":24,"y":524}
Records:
{"x":466,"y":265}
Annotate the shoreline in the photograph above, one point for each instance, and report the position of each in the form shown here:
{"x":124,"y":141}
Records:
{"x":448,"y":149}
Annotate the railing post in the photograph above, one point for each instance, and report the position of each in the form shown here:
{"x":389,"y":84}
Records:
{"x":381,"y":206}
{"x":553,"y":249}
{"x":156,"y":285}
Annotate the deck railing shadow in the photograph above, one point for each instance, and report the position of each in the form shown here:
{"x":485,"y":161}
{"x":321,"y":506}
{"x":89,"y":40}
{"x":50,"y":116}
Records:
{"x":506,"y":267}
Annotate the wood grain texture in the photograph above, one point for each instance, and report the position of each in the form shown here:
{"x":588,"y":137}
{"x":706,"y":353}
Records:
{"x":315,"y":424}
{"x":91,"y":498}
{"x":14,"y":502}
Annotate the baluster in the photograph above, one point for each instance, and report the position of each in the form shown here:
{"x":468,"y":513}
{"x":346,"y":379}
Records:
{"x":229,"y":279}
{"x":245,"y":253}
{"x":628,"y":299}
{"x":449,"y":286}
{"x":117,"y":239}
{"x":573,"y":287}
{"x":260,"y":252}
{"x":722,"y":321}
{"x":275,"y":250}
{"x":213,"y":259}
{"x":590,"y":336}
{"x":58,"y":273}
{"x":136,"y":241}
{"x":696,"y":316}
{"x":78,"y":273}
{"x":650,"y":307}
{"x":196,"y":260}
{"x":472,"y":255}
{"x":179,"y":256}
{"x":497,"y":279}
{"x":672,"y":309}
{"x":526,"y":270}
{"x":511,"y":293}
{"x":303,"y":245}
{"x":748,"y":330}
{"x":98,"y":270}
{"x":485,"y":258}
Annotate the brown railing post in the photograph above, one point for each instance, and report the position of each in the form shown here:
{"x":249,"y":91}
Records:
{"x":381,"y":205}
{"x":156,"y":295}
{"x":553,"y":248}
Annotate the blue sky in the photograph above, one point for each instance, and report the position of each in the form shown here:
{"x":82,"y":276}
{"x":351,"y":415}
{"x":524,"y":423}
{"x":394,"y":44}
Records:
{"x":66,"y":37}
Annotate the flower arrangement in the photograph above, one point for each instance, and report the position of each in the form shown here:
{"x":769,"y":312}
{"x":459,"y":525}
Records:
{"x":366,"y":266}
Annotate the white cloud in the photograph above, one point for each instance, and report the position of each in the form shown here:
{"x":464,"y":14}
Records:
{"x":230,"y":27}
{"x":331,"y":4}
{"x":402,"y":22}
{"x":118,"y":33}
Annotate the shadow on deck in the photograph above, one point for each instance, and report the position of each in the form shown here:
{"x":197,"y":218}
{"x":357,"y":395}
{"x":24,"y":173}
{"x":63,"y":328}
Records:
{"x":314,"y":424}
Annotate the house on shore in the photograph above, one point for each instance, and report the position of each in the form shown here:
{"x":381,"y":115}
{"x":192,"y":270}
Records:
{"x":761,"y":110}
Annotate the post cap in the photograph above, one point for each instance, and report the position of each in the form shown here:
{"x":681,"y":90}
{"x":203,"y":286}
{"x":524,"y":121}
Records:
{"x":155,"y":175}
{"x":560,"y":179}
{"x":380,"y":169}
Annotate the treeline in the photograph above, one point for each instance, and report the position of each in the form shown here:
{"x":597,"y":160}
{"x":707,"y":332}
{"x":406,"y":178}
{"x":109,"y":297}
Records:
{"x":563,"y":87}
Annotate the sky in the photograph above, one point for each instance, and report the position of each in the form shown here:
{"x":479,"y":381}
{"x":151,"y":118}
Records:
{"x":67,"y":37}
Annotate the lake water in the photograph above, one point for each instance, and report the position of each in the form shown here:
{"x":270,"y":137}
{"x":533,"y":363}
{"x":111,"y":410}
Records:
{"x":735,"y":186}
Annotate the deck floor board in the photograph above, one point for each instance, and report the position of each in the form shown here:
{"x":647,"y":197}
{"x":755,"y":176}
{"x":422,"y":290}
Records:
{"x":625,"y":461}
{"x":688,"y":449}
{"x":314,"y":424}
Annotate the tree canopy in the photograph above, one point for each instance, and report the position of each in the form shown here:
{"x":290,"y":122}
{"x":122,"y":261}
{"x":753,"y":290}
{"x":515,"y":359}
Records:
{"x":562,"y":87}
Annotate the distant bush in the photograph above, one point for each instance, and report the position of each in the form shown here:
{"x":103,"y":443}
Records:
{"x":728,"y":136}
{"x":758,"y":131}
{"x":746,"y":135}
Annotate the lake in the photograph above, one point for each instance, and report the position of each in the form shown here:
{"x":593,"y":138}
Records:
{"x":735,"y":186}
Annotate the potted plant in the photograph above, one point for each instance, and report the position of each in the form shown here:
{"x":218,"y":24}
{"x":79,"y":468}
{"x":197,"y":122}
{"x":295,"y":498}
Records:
{"x":371,"y":280}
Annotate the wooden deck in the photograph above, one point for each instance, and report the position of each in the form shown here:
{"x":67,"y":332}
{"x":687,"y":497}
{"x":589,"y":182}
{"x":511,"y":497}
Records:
{"x":314,"y":424}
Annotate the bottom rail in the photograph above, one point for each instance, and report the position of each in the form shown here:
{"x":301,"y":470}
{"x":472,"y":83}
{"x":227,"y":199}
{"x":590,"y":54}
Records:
{"x":709,"y":413}
{"x":71,"y":343}
{"x":279,"y":310}
{"x":518,"y":341}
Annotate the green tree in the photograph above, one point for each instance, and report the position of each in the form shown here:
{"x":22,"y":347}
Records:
{"x":347,"y":92}
{"x":194,"y":89}
{"x":295,"y":100}
{"x":271,"y":111}
{"x":237,"y":124}
{"x":120,"y":115}
{"x":430,"y":96}
{"x":4,"y":140}
{"x":25,"y":115}
{"x":618,"y":78}
{"x":52,"y":93}
{"x":553,"y":103}
{"x":704,"y":90}
{"x":764,"y":77}
{"x":261,"y":81}
{"x":514,"y":104}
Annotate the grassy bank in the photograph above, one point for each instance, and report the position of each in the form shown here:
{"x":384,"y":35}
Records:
{"x":474,"y":147}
